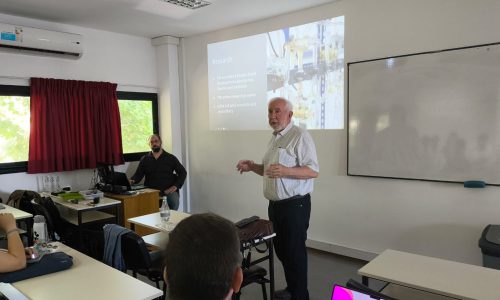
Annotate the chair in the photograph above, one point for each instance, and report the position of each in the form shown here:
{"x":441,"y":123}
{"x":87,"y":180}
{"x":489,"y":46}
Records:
{"x":254,"y":274}
{"x":252,"y":239}
{"x":138,"y":259}
{"x":355,"y":285}
{"x":56,"y":226}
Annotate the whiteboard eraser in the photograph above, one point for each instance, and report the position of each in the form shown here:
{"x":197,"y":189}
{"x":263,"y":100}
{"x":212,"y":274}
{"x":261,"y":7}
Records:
{"x":474,"y":184}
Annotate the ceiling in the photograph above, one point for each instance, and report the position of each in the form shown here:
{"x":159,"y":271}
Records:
{"x":153,"y":18}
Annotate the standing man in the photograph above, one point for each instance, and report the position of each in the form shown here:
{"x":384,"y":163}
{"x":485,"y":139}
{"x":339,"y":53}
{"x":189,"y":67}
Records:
{"x":163,"y":172}
{"x":288,"y":168}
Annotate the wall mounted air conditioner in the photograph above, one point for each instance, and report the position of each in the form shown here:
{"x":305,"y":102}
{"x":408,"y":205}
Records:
{"x":27,"y":40}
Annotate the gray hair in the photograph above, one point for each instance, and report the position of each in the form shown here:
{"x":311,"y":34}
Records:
{"x":288,"y":104}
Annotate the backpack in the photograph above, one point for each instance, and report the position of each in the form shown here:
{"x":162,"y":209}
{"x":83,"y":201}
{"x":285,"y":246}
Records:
{"x":21,"y":199}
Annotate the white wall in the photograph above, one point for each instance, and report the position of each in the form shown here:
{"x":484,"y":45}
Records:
{"x":353,"y":215}
{"x":123,"y":59}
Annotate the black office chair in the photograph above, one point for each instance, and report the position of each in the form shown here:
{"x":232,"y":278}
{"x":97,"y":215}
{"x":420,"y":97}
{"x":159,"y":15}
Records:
{"x":358,"y":286}
{"x":252,"y":272}
{"x":138,"y":259}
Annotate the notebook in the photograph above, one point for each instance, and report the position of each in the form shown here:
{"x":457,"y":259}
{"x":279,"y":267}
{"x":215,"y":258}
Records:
{"x":121,"y":179}
{"x":342,"y":293}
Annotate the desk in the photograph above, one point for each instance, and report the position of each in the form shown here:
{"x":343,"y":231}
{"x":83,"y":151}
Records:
{"x":142,"y":203}
{"x":21,"y":216}
{"x":86,"y":212}
{"x":159,"y":238}
{"x":434,"y":275}
{"x":153,"y":221}
{"x":86,"y":279}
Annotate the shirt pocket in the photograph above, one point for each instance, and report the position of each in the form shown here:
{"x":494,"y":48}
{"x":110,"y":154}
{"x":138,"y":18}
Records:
{"x":287,"y":158}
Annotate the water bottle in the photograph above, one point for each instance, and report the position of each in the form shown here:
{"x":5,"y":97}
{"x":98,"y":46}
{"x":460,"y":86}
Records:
{"x":164,"y":211}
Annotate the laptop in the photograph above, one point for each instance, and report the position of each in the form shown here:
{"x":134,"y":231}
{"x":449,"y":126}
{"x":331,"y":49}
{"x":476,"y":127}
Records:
{"x":121,"y":179}
{"x":342,"y":293}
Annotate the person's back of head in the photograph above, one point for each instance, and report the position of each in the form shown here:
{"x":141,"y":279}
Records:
{"x":203,"y":259}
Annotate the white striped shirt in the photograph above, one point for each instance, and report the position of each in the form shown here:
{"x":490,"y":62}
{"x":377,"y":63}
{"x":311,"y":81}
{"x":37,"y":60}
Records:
{"x":292,"y":147}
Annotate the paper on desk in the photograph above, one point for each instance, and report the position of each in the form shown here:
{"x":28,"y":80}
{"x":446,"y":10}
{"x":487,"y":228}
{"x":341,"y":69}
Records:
{"x":9,"y":291}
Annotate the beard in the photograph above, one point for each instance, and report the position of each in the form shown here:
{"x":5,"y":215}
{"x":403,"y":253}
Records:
{"x":156,"y":149}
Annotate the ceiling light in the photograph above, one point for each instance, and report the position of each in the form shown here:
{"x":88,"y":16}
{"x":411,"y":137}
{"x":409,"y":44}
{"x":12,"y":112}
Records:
{"x":193,"y":4}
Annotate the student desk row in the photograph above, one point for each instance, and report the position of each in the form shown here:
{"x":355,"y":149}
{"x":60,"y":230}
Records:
{"x":86,"y":279}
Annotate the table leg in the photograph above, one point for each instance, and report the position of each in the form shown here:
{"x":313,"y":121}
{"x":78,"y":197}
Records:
{"x":29,"y":231}
{"x":80,"y":237}
{"x":118,"y":214}
{"x":364,"y":280}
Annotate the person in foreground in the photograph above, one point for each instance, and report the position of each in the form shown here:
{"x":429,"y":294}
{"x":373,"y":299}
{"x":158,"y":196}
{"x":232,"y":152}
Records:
{"x":13,"y":258}
{"x":202,"y":259}
{"x":288,"y":169}
{"x":163,"y":172}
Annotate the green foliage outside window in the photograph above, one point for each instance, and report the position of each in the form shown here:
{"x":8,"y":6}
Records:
{"x":14,"y":128}
{"x":137,"y":124}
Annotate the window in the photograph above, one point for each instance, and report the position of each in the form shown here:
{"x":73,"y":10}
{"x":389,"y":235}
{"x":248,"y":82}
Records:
{"x":139,"y":120}
{"x":138,"y":114}
{"x":14,"y":128}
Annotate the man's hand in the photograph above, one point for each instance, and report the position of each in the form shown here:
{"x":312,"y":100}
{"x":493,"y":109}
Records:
{"x":244,"y":166}
{"x":7,"y":222}
{"x":276,"y":171}
{"x":170,"y":190}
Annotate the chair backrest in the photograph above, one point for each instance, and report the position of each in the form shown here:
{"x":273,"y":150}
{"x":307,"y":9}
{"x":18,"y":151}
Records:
{"x":40,"y":210}
{"x":135,"y":252}
{"x":55,"y":216}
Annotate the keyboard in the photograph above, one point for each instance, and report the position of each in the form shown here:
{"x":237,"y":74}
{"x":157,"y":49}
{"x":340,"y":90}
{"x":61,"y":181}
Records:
{"x":135,"y":187}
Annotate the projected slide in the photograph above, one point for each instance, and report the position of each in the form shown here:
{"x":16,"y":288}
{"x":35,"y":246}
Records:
{"x":304,"y":64}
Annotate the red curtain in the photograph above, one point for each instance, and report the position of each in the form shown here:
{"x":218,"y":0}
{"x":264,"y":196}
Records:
{"x":74,"y":125}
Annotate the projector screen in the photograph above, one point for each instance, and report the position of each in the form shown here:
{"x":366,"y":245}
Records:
{"x":304,"y":64}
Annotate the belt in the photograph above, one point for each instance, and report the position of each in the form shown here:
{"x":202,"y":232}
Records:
{"x":288,"y":200}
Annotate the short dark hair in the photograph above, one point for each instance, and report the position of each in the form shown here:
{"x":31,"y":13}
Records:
{"x":154,"y":135}
{"x":202,"y":257}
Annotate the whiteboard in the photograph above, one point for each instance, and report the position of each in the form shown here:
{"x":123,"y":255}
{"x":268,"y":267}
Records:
{"x":427,"y":116}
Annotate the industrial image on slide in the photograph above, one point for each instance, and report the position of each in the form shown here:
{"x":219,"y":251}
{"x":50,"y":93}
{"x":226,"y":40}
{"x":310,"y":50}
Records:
{"x":304,"y":64}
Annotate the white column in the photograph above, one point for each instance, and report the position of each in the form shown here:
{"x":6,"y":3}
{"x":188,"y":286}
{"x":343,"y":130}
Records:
{"x":169,"y":102}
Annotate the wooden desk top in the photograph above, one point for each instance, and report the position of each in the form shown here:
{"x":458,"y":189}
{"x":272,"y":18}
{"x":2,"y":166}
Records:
{"x":86,"y":279}
{"x":17,"y":213}
{"x":444,"y":277}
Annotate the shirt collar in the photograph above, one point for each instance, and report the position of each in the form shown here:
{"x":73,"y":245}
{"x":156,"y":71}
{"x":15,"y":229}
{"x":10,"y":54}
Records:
{"x":284,"y":131}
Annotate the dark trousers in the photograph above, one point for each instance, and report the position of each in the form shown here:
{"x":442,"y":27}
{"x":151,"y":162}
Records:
{"x":290,"y":222}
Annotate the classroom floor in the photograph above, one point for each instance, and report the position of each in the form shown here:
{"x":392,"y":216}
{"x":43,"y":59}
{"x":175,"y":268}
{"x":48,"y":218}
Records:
{"x":325,"y":269}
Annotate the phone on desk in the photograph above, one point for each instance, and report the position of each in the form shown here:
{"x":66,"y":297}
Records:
{"x":33,"y":258}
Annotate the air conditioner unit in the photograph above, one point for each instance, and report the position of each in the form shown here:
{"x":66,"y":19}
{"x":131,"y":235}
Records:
{"x":27,"y":40}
